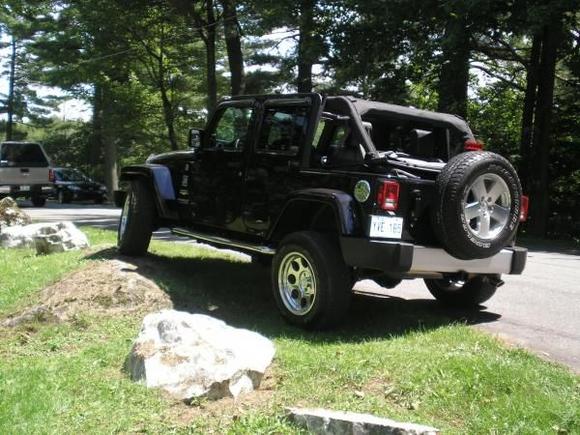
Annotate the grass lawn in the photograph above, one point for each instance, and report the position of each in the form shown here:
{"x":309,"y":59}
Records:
{"x":404,"y":360}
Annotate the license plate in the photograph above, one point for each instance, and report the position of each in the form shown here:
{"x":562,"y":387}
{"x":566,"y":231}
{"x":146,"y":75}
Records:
{"x":388,"y":227}
{"x":25,"y":188}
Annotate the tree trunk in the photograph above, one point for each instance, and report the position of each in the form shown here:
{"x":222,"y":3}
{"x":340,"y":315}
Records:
{"x":206,"y":28}
{"x":169,"y":118}
{"x":95,"y":140}
{"x":306,"y":46}
{"x":529,"y":111}
{"x":102,"y":138}
{"x":233,"y":46}
{"x":10,"y":102}
{"x":540,"y":196}
{"x":168,"y":113}
{"x":111,"y":165}
{"x":454,"y":75}
{"x":210,"y":57}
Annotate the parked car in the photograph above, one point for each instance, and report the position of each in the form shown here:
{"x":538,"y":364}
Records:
{"x":72,"y":185}
{"x":25,"y":172}
{"x":332,"y":190}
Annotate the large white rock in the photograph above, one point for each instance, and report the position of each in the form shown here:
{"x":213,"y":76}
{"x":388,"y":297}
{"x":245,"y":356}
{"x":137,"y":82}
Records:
{"x":46,"y":237}
{"x":328,"y":422}
{"x":193,"y":355}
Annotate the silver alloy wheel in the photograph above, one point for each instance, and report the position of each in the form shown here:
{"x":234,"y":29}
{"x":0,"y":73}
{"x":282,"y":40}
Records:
{"x":486,"y":206}
{"x":297,"y":283}
{"x":125,"y":214}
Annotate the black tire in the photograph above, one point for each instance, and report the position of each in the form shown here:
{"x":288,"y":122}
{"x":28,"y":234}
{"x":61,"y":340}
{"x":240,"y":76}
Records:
{"x":459,"y":235}
{"x":137,"y":220}
{"x":332,"y":281}
{"x":63,"y":198}
{"x":463,"y":294}
{"x":38,"y":201}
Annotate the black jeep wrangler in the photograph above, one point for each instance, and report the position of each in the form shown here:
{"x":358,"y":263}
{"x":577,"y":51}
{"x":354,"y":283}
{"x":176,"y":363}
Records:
{"x":330,"y":190}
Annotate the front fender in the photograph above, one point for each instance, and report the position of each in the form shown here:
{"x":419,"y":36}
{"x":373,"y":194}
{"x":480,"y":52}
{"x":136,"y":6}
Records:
{"x":160,"y":182}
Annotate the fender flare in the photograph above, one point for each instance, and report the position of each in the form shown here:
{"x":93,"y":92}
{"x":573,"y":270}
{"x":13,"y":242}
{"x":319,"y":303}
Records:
{"x":344,"y":206}
{"x":159,"y":178}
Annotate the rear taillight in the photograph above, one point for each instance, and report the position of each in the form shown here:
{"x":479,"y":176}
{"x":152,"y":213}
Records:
{"x":51,"y":175}
{"x":388,"y":195}
{"x":524,"y":208}
{"x":473,"y":145}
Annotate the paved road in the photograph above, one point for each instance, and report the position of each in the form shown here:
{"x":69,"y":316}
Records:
{"x":539,"y":310}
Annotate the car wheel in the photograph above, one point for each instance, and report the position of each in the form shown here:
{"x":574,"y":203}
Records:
{"x":137,"y":220}
{"x":476,"y":213}
{"x":311,"y":283}
{"x":464,"y":293}
{"x":38,"y":201}
{"x":63,"y":198}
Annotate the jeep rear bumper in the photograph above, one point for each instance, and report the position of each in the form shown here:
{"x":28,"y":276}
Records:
{"x":407,"y":259}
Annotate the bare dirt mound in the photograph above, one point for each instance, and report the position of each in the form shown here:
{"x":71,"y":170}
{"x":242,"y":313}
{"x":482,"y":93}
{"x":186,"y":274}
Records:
{"x":109,"y":287}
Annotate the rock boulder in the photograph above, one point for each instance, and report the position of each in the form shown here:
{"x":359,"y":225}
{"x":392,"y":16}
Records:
{"x":45,"y":237}
{"x":59,"y":237}
{"x":193,"y":355}
{"x":11,"y":215}
{"x":328,"y":422}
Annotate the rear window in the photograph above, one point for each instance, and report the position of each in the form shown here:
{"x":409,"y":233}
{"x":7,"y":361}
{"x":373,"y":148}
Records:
{"x":22,"y":154}
{"x":416,"y":139}
{"x":70,"y":175}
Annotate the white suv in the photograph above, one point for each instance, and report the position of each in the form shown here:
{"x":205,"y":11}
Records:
{"x":25,"y":172}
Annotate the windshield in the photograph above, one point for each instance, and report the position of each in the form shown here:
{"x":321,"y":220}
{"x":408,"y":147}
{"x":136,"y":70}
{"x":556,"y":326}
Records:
{"x":71,"y":175}
{"x":22,"y":154}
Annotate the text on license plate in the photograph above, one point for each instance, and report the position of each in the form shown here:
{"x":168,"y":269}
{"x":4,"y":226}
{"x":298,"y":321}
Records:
{"x":25,"y":188}
{"x":389,"y":227}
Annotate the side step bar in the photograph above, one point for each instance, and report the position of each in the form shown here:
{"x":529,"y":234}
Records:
{"x":222,"y":241}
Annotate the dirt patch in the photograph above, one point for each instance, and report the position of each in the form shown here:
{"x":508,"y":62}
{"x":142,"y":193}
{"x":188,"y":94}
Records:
{"x":108,"y":287}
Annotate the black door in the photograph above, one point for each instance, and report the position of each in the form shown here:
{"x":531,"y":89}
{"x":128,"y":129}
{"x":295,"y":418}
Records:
{"x":286,"y":129}
{"x":217,"y":175}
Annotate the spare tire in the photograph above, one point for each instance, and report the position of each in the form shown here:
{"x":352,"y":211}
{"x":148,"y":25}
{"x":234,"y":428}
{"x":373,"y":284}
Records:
{"x":477,"y":205}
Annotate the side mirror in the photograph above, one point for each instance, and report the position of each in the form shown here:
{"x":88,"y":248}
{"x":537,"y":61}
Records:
{"x":195,"y":138}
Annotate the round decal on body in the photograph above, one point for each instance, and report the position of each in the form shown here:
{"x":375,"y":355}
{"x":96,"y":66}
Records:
{"x":362,"y":190}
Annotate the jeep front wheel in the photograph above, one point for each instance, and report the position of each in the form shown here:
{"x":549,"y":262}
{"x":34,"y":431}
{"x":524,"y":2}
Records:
{"x":311,"y":283}
{"x":464,"y":293}
{"x":137,"y":220}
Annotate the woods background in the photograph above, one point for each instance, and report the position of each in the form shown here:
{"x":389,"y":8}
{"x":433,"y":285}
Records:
{"x":152,"y":69}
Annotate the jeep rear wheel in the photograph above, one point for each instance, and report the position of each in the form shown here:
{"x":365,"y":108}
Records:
{"x":463,"y":293}
{"x":137,"y":220}
{"x":478,"y":205}
{"x":311,"y":283}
